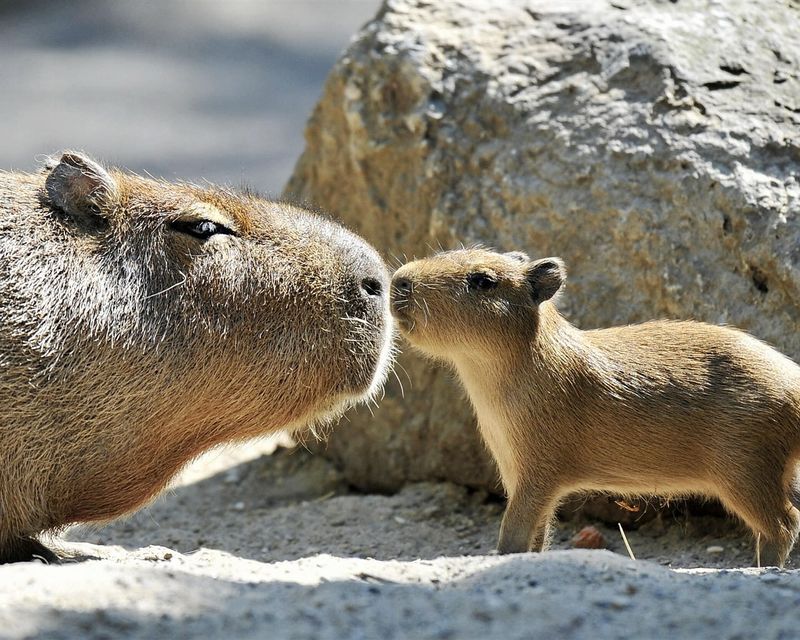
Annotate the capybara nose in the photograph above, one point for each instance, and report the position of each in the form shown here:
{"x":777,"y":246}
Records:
{"x":372,"y":287}
{"x":402,"y":285}
{"x":366,"y":274}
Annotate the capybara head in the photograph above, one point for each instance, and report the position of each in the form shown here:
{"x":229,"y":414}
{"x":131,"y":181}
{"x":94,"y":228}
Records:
{"x":471,"y":299}
{"x":280,"y":309}
{"x":142,"y":322}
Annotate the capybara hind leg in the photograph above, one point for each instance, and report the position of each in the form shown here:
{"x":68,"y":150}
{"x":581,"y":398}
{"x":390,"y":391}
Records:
{"x":25,"y":549}
{"x":525,"y":525}
{"x":793,"y":484}
{"x":770,"y":514}
{"x":775,"y":550}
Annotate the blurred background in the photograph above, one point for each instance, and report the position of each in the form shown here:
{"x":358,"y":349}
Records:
{"x":195,"y":89}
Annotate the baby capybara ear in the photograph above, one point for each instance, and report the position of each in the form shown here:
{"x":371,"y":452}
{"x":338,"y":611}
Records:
{"x":545,"y":278}
{"x":80,"y":187}
{"x":519,"y":256}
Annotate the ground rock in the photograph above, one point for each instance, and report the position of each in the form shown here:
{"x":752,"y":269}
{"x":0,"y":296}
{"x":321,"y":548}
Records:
{"x":152,"y":593}
{"x":299,"y":562}
{"x":655,"y":146}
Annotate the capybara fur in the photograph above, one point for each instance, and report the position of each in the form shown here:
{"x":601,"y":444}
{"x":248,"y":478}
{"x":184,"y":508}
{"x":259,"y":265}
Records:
{"x":143,"y":322}
{"x":667,"y":408}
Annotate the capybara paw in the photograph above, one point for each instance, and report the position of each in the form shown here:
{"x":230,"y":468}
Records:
{"x":770,"y":556}
{"x":510,"y":545}
{"x":28,"y":549}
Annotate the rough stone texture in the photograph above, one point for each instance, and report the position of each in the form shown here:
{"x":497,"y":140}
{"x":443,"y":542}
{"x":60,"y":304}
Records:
{"x":263,"y":549}
{"x":155,"y":594}
{"x":653,"y":145}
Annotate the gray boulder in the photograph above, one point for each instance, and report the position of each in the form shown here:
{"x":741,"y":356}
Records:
{"x":655,"y":146}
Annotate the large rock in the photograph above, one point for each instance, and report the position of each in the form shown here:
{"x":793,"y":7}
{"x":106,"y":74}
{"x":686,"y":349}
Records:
{"x":654,"y":145}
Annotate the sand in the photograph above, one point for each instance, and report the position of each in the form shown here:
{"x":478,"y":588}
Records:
{"x":249,"y":544}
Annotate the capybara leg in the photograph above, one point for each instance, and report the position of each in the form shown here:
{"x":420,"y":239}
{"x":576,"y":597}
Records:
{"x":793,"y":482}
{"x":25,"y":549}
{"x":542,"y":534}
{"x":516,"y":528}
{"x":775,"y":550}
{"x":525,"y":525}
{"x":768,"y":511}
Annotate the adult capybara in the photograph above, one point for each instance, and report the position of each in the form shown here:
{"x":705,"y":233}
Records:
{"x":668,"y":408}
{"x":142,"y":322}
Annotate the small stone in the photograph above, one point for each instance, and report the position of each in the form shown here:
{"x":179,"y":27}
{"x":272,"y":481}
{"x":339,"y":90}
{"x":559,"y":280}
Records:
{"x":715,"y":549}
{"x":239,"y":506}
{"x":617,"y":603}
{"x":232,"y":476}
{"x":589,"y":538}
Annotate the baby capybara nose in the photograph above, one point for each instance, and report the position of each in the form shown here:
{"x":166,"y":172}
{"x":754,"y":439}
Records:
{"x":401,"y":285}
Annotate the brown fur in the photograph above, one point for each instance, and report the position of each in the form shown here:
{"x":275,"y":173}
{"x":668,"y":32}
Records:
{"x":668,"y":408}
{"x":128,"y":346}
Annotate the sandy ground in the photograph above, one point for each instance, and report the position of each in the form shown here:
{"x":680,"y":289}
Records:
{"x":277,"y":546}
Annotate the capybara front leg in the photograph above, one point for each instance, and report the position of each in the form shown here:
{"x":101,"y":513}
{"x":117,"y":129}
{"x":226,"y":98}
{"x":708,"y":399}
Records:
{"x":25,"y":549}
{"x":526,"y":522}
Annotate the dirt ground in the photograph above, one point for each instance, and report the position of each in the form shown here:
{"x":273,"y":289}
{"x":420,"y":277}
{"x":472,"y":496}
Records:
{"x":291,"y":505}
{"x":249,"y":544}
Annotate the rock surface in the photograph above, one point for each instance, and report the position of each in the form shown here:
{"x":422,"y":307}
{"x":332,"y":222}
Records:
{"x":276,"y":547}
{"x":655,"y":146}
{"x":154,"y":594}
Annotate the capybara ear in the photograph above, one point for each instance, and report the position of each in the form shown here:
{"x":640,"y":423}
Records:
{"x":519,"y":256}
{"x":546,"y":277}
{"x":80,"y":187}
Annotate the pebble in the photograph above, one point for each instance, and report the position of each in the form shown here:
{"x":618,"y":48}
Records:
{"x":233,"y":476}
{"x":715,"y":549}
{"x":589,"y":538}
{"x":619,"y":602}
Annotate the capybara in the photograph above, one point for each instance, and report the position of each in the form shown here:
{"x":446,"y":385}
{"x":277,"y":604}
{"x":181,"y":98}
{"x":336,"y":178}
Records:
{"x":142,"y":322}
{"x":667,"y":408}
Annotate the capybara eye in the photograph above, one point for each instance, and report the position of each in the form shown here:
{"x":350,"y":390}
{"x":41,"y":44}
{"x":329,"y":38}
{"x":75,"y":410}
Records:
{"x":202,"y":229}
{"x":481,"y":281}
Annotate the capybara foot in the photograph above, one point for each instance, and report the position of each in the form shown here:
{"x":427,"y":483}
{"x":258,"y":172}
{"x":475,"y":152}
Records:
{"x":770,"y":554}
{"x":27,"y":549}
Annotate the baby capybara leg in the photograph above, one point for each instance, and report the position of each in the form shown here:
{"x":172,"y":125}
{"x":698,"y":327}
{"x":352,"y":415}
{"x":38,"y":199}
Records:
{"x":542,"y":532}
{"x":778,"y":543}
{"x":765,"y":507}
{"x":526,"y":522}
{"x":517,"y":526}
{"x":25,"y":549}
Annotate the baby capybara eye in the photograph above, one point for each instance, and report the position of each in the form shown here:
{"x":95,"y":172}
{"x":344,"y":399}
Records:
{"x":202,"y":229}
{"x":481,"y":281}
